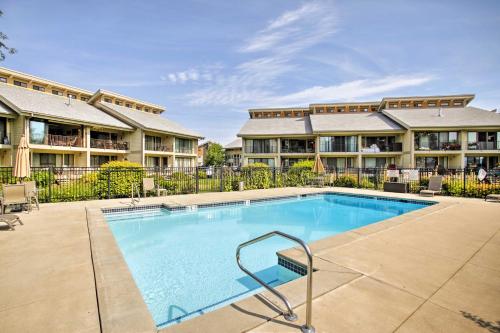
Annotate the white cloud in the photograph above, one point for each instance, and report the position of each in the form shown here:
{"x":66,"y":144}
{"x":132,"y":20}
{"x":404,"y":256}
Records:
{"x":296,"y":29}
{"x":193,"y":74}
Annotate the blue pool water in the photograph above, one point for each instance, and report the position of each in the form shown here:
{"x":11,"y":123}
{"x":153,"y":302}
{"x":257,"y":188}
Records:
{"x":184,"y":261}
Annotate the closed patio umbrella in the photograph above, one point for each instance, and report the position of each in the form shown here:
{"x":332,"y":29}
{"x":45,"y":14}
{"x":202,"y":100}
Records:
{"x":318,"y":165}
{"x":22,"y":163}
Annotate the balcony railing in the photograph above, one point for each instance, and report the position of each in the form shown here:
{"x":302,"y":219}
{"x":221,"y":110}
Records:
{"x":340,"y":148}
{"x":108,"y":144}
{"x":158,"y":147}
{"x":484,"y":145}
{"x":383,"y":148}
{"x":260,"y":150}
{"x":297,"y":150}
{"x":64,"y":140}
{"x":440,"y":146}
{"x":184,"y":150}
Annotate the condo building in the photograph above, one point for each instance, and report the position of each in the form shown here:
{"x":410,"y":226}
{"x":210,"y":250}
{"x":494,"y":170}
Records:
{"x":68,"y":126}
{"x":233,"y":153}
{"x":409,"y":132}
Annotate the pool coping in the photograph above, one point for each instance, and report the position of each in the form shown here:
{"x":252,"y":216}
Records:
{"x":122,"y":307}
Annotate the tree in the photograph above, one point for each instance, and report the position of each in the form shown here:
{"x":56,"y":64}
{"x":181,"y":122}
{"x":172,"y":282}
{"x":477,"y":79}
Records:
{"x":3,"y":47}
{"x":215,"y":155}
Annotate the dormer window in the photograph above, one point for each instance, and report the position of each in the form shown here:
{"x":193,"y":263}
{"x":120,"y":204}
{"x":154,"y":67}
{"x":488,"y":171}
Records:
{"x":365,"y":109}
{"x":417,"y":104}
{"x":405,"y":105}
{"x":3,"y":79}
{"x":118,"y":103}
{"x":431,"y":104}
{"x":458,"y":103}
{"x":128,"y":105}
{"x":85,"y":99}
{"x":353,"y":110}
{"x":107,"y":100}
{"x":138,"y":108}
{"x":38,"y":88}
{"x":341,"y":110}
{"x":20,"y":84}
{"x":57,"y":92}
{"x":445,"y":104}
{"x":393,"y":105}
{"x":288,"y":114}
{"x":73,"y":96}
{"x":277,"y":114}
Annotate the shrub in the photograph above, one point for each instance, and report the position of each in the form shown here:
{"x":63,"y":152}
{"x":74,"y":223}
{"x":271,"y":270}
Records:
{"x":257,"y":176}
{"x":43,"y":178}
{"x":300,"y":173}
{"x":121,"y":175}
{"x":345,"y":181}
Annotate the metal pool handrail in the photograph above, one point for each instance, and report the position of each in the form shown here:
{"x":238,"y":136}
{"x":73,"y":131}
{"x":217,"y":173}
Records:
{"x":291,"y":316}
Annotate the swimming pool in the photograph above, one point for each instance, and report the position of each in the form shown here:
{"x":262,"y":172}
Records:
{"x":183,"y":260}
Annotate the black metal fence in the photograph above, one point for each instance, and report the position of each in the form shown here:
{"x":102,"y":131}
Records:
{"x":78,"y":183}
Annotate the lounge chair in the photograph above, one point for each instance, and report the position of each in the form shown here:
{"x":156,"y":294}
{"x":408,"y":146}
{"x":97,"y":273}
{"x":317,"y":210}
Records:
{"x":31,"y":193}
{"x":148,"y":184}
{"x":12,"y":195}
{"x":493,"y":197}
{"x":435,"y":186}
{"x":10,"y":220}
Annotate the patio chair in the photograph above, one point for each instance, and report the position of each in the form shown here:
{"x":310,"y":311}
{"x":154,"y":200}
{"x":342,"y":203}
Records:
{"x":13,"y":195}
{"x":31,"y":193}
{"x":148,"y":184}
{"x":435,"y":186}
{"x":493,"y":197}
{"x":10,"y":220}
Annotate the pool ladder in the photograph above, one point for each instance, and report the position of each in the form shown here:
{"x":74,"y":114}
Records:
{"x":135,"y":191}
{"x":290,"y":315}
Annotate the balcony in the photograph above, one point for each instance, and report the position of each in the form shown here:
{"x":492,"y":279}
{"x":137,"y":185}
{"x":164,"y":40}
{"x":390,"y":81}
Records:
{"x":155,"y":146}
{"x":483,"y":145}
{"x":63,"y":140}
{"x":340,"y":148}
{"x":184,"y":150}
{"x":297,"y":150}
{"x":383,"y":148}
{"x":108,"y":144}
{"x":439,"y":146}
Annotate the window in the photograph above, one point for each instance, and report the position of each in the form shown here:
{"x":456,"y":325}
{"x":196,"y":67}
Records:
{"x":38,"y":88}
{"x":183,"y":162}
{"x":337,"y":162}
{"x":118,"y":103}
{"x":72,"y":96}
{"x":376,"y":162}
{"x":365,"y":109}
{"x":417,"y":104}
{"x":431,"y":162}
{"x":152,"y":142}
{"x":146,"y":109}
{"x":431,"y":104}
{"x":98,"y":160}
{"x":138,"y":108}
{"x":152,"y":161}
{"x":261,"y":146}
{"x":3,"y":79}
{"x":57,"y":92}
{"x":107,"y":100}
{"x":128,"y":105}
{"x":268,"y":161}
{"x":184,"y":146}
{"x":437,"y":141}
{"x":297,"y":146}
{"x":85,"y":99}
{"x":338,"y":144}
{"x":393,"y":105}
{"x":20,"y":84}
{"x":458,"y":103}
{"x":3,"y":131}
{"x":54,"y":160}
{"x":38,"y":129}
{"x":353,"y":110}
{"x":445,"y":103}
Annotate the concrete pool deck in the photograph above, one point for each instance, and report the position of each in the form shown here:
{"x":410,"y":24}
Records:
{"x":441,"y":274}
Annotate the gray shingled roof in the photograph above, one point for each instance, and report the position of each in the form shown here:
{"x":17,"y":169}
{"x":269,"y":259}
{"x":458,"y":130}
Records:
{"x":276,"y":126}
{"x":235,"y":144}
{"x":42,"y":104}
{"x":149,"y":121}
{"x":451,"y":117}
{"x":353,"y":122}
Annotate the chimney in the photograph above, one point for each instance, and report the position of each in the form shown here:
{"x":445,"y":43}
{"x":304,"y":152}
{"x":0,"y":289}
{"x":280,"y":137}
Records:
{"x":440,"y":112}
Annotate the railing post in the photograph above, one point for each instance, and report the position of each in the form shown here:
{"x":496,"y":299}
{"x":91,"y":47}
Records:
{"x":359,"y":176}
{"x":51,"y":176}
{"x":197,"y":180}
{"x":274,"y":177}
{"x":109,"y":183}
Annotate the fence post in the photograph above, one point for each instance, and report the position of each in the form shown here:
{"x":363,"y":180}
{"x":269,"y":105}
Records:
{"x":51,"y":176}
{"x":465,"y":181}
{"x":109,"y":183}
{"x":221,"y":180}
{"x":197,"y":179}
{"x":359,"y":176}
{"x":274,"y":177}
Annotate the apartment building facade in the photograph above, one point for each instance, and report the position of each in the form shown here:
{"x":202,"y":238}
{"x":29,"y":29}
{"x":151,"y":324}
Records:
{"x":409,"y":132}
{"x":233,"y":152}
{"x":68,"y":126}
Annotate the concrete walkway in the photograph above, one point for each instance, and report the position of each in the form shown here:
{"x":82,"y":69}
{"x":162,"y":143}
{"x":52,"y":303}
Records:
{"x":439,"y":273}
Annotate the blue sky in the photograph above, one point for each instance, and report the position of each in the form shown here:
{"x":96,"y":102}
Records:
{"x":208,"y":61}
